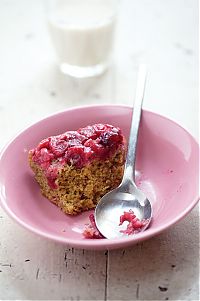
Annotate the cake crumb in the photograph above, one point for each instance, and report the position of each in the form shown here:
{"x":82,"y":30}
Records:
{"x":91,"y":230}
{"x":134,"y":224}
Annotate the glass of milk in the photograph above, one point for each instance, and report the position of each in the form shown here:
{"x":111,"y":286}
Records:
{"x":82,"y":32}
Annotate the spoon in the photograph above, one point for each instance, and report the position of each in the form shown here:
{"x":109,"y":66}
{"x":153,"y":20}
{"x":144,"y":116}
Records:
{"x":126,"y":196}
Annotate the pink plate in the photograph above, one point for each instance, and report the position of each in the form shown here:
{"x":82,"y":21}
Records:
{"x":167,"y":171}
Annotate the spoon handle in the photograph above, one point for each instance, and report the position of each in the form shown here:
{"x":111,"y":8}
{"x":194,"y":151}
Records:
{"x":129,"y":171}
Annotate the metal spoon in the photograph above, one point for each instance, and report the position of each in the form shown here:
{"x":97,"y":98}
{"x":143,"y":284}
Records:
{"x":126,"y":196}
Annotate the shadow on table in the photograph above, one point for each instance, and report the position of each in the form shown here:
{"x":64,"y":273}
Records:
{"x":69,"y":91}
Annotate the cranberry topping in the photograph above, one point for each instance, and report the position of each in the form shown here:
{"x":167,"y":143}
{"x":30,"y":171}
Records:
{"x":58,"y":146}
{"x":95,"y":131}
{"x":134,"y":224}
{"x":109,"y":138}
{"x":91,"y":230}
{"x":76,"y":155}
{"x":43,"y":144}
{"x":77,"y":148}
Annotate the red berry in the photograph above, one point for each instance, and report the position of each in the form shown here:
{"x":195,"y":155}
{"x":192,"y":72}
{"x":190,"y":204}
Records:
{"x":134,"y":224}
{"x":58,"y":146}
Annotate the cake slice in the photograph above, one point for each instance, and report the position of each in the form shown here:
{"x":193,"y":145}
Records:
{"x":75,"y":169}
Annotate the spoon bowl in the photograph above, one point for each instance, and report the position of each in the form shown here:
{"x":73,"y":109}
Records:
{"x":115,"y":203}
{"x":126,"y":203}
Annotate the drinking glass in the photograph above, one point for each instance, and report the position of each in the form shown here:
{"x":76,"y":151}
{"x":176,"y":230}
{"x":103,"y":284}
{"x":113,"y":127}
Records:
{"x":82,"y":33}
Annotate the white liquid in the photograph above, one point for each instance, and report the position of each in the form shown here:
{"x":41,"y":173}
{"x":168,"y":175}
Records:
{"x":82,"y":31}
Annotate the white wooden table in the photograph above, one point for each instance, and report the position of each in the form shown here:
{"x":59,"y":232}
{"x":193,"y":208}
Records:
{"x":164,"y":35}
